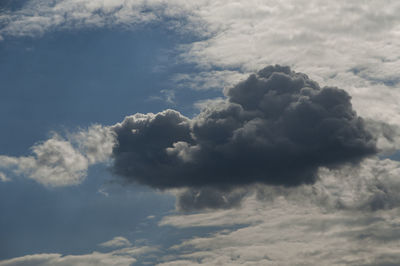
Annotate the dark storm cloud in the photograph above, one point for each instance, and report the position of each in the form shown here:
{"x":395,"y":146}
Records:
{"x":277,"y":127}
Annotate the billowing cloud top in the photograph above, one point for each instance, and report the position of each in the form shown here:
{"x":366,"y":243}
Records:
{"x":277,"y":127}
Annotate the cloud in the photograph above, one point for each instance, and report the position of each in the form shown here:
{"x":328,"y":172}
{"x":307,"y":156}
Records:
{"x":94,"y":258}
{"x":372,"y":186}
{"x":387,"y":135}
{"x":3,"y":177}
{"x":96,"y":143}
{"x":123,"y":254}
{"x":333,"y":222}
{"x":209,"y":79}
{"x":292,"y":235}
{"x":62,"y":162}
{"x":277,"y":127}
{"x":348,"y":217}
{"x":54,"y":163}
{"x":116,"y":242}
{"x":167,"y":96}
{"x":38,"y":17}
{"x":209,"y":198}
{"x":359,"y":54}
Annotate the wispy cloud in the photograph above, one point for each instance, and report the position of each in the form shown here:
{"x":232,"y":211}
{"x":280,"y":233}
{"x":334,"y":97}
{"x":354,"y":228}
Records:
{"x":116,"y":242}
{"x":63,"y":162}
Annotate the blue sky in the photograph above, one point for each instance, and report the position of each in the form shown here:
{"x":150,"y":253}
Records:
{"x":66,"y":66}
{"x":61,"y":82}
{"x":67,"y":80}
{"x":78,"y":78}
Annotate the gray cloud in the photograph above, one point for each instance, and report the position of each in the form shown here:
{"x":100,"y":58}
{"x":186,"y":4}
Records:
{"x":210,"y":198}
{"x":277,"y":127}
{"x":387,"y":135}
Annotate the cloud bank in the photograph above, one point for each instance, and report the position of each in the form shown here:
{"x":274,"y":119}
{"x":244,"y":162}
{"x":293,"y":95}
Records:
{"x":350,"y":216}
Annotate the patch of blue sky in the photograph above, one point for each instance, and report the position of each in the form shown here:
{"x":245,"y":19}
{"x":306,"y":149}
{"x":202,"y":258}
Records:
{"x":65,"y":80}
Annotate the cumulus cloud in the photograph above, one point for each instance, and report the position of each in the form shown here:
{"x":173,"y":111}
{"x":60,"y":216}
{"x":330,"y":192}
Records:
{"x":277,"y":127}
{"x":54,"y":163}
{"x":59,"y":161}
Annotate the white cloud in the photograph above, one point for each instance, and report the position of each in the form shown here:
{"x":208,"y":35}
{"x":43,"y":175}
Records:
{"x":117,"y":242}
{"x":40,"y":16}
{"x":96,"y":143}
{"x":3,"y":177}
{"x":209,"y":79}
{"x":168,"y":96}
{"x":290,"y":234}
{"x":62,"y":162}
{"x":55,"y":163}
{"x":353,"y":45}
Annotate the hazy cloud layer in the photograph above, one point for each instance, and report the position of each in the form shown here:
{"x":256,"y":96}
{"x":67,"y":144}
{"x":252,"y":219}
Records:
{"x":277,"y":127}
{"x":293,"y":234}
{"x":94,"y":258}
{"x":122,"y":256}
{"x":349,"y":217}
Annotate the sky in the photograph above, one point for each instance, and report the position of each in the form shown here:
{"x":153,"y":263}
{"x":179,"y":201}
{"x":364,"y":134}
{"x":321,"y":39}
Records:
{"x":199,"y":133}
